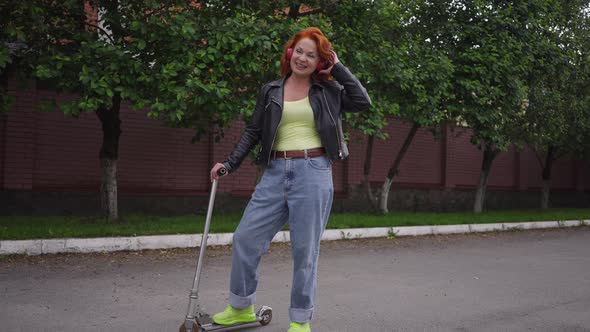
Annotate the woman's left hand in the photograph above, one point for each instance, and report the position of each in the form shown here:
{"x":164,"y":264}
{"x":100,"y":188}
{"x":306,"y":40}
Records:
{"x":332,"y":62}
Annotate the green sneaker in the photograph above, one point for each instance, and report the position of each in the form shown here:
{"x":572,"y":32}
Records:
{"x":232,"y":315}
{"x":299,"y":327}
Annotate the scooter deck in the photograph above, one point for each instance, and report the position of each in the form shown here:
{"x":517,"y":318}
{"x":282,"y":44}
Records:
{"x":263,"y":317}
{"x":217,"y":327}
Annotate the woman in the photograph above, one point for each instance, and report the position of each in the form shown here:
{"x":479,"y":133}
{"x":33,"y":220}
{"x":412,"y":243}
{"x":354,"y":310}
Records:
{"x":297,"y":122}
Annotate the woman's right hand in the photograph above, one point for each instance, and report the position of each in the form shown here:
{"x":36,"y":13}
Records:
{"x":333,"y":61}
{"x":215,"y":169}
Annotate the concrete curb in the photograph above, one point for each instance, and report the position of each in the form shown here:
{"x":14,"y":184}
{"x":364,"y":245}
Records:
{"x":83,"y":245}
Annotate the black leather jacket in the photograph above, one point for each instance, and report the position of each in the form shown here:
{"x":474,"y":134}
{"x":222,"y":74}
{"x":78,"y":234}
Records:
{"x":328,"y":99}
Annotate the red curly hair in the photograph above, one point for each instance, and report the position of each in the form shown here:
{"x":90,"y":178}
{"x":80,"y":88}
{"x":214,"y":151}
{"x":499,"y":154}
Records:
{"x":324,"y":51}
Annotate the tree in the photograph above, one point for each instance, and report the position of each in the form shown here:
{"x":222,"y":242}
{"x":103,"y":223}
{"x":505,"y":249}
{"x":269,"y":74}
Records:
{"x":187,"y":61}
{"x":405,"y":74}
{"x":424,"y":89}
{"x":492,"y":60}
{"x":557,"y":114}
{"x":398,"y":56}
{"x":364,"y":34}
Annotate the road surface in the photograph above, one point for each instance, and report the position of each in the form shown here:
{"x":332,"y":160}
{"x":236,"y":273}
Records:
{"x":513,"y":281}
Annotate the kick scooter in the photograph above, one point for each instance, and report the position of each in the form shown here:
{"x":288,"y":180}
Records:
{"x":196,"y":320}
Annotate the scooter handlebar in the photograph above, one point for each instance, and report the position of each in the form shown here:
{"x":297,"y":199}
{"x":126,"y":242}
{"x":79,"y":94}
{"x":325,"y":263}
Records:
{"x":222,"y":171}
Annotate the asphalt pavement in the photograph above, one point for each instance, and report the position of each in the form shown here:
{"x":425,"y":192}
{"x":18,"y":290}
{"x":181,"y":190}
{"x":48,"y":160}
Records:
{"x":535,"y":280}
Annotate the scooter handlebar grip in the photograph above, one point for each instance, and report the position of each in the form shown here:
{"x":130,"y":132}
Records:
{"x":222,"y":171}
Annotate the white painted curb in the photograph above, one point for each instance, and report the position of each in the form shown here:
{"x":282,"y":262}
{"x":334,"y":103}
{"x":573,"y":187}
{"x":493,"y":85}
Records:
{"x":81,"y":245}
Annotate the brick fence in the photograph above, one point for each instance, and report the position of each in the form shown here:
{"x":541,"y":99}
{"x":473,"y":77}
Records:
{"x":49,"y":164}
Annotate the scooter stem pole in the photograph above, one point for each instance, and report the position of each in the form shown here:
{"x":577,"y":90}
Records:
{"x":203,"y":247}
{"x":193,"y":304}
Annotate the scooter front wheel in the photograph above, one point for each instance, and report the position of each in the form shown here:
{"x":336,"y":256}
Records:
{"x":265,"y":314}
{"x":195,"y":327}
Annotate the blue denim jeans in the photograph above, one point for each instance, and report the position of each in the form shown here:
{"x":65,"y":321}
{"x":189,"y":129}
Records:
{"x":298,"y":191}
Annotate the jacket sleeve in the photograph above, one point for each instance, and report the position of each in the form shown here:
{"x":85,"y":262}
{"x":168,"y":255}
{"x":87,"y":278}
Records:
{"x":354,"y":96}
{"x":250,"y":137}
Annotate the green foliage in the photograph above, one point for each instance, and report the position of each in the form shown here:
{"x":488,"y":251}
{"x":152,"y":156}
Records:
{"x":4,"y":57}
{"x":557,"y":114}
{"x":188,"y":63}
{"x":427,"y":82}
{"x":362,"y":36}
{"x":510,"y":70}
{"x":407,"y":75}
{"x":492,"y":66}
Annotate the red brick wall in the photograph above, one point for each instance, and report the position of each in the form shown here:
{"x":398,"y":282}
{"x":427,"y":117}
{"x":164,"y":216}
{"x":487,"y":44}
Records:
{"x":503,"y":173}
{"x":563,"y":174}
{"x":2,"y":145}
{"x":155,"y":158}
{"x":583,"y":173}
{"x":463,"y":159}
{"x":421,"y":164}
{"x":243,"y":181}
{"x":355,"y":166}
{"x":19,"y":146}
{"x":47,"y":151}
{"x":530,"y":169}
{"x":66,"y":156}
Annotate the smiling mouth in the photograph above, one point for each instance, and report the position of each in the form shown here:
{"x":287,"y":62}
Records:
{"x":300,"y":66}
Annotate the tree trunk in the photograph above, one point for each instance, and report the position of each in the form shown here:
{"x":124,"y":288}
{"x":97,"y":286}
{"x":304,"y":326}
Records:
{"x":367,"y":171}
{"x":394,"y":170}
{"x":547,"y":177}
{"x":384,"y":197}
{"x":108,"y":189}
{"x":109,"y":153}
{"x":294,"y":10}
{"x":489,"y":154}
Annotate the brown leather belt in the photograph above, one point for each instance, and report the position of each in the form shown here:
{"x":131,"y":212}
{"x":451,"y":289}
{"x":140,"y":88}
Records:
{"x":309,"y":153}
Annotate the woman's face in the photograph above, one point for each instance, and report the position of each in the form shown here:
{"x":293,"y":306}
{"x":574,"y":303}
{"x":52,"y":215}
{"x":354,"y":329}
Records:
{"x":305,"y":57}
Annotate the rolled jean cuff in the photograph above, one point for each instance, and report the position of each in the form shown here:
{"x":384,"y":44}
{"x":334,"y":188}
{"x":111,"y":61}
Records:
{"x":240,"y":302}
{"x":300,"y":315}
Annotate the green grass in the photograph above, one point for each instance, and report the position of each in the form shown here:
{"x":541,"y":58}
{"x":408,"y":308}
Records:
{"x":454,"y":218}
{"x":36,"y":227}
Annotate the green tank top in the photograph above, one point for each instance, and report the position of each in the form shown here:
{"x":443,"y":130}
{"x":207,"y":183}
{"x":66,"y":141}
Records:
{"x":297,"y":127}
